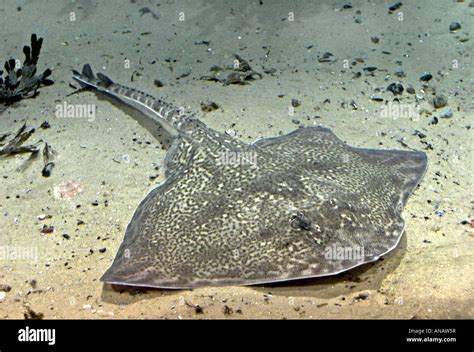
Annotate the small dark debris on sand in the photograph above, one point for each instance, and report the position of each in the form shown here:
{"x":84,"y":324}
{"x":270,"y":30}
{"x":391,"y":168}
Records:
{"x":395,"y":88}
{"x":197,"y":308}
{"x":454,"y":26}
{"x":47,"y":229}
{"x":440,"y":101}
{"x":326,"y":57}
{"x":45,"y":125}
{"x":5,"y":288}
{"x":295,"y":103}
{"x":426,"y":77}
{"x":21,"y":83}
{"x":209,"y":106}
{"x":239,"y":73}
{"x":48,"y":158}
{"x":158,"y":83}
{"x":362,"y":296}
{"x":30,"y":314}
{"x":15,"y":146}
{"x":395,"y":6}
{"x":145,"y":10}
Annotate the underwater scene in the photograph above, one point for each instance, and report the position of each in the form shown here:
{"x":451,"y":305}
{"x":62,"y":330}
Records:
{"x":260,"y":159}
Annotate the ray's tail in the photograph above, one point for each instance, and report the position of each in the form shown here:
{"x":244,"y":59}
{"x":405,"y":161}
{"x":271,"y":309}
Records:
{"x":162,"y":112}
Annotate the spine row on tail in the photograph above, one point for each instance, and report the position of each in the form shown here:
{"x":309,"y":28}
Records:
{"x":133,"y":97}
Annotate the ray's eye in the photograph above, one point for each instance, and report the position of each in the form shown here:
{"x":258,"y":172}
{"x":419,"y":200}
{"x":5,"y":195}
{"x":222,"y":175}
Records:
{"x":299,"y":221}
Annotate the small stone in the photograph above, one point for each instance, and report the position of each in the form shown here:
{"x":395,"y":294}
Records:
{"x":5,"y":288}
{"x":370,"y":68}
{"x":399,"y":73}
{"x":2,"y":296}
{"x":375,"y":40}
{"x":230,"y":133}
{"x":426,"y":77}
{"x":66,"y":236}
{"x":295,"y":103}
{"x":295,"y":121}
{"x":362,"y":296}
{"x":440,"y":101}
{"x":209,"y":106}
{"x":47,"y":229}
{"x":395,"y":88}
{"x":270,"y":71}
{"x":395,"y":6}
{"x":445,"y":113}
{"x":454,"y":26}
{"x":410,"y":90}
{"x":45,"y":125}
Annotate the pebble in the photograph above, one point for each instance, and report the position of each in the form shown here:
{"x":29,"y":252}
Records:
{"x":295,"y":103}
{"x":399,"y":73}
{"x":454,"y":26}
{"x":440,"y":101}
{"x":395,"y":6}
{"x":370,"y":68}
{"x":47,"y":229}
{"x":445,"y":113}
{"x":5,"y":288}
{"x":395,"y":88}
{"x":230,"y":133}
{"x":426,"y":77}
{"x":2,"y":296}
{"x":362,"y":296}
{"x":410,"y":90}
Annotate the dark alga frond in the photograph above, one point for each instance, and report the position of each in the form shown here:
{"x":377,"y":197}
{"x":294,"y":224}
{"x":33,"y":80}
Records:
{"x":20,"y":83}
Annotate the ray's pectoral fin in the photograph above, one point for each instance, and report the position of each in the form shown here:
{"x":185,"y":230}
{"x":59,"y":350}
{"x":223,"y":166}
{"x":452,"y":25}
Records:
{"x":410,"y":166}
{"x":134,"y":263}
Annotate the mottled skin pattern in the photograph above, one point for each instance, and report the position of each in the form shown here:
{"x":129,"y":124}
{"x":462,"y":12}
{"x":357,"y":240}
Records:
{"x":220,"y":222}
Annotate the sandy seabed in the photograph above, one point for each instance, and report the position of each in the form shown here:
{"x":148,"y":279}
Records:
{"x":106,"y":164}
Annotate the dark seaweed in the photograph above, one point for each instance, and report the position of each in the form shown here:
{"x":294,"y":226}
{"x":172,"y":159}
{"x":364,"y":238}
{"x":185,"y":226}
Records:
{"x":23,"y":82}
{"x":16,"y":146}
